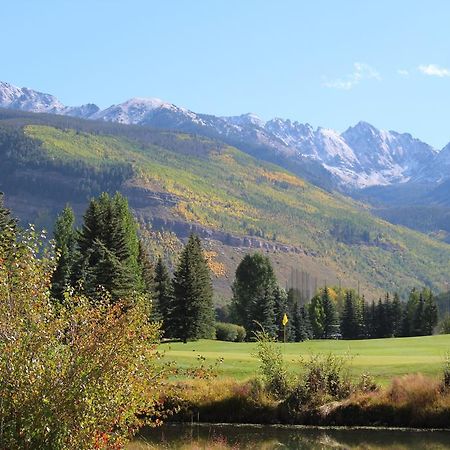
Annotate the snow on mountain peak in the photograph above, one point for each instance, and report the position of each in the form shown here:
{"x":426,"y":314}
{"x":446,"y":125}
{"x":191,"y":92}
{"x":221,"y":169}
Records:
{"x":26,"y":99}
{"x":361,"y":156}
{"x":245,"y":119}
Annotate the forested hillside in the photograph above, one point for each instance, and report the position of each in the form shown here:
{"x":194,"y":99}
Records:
{"x":181,"y":182}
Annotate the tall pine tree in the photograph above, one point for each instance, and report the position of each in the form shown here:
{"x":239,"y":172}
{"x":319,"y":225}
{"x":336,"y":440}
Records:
{"x":317,"y":316}
{"x":331,"y":319}
{"x":148,"y":280}
{"x":192,"y":314}
{"x":108,"y":249}
{"x":430,"y":314}
{"x":397,"y":314}
{"x":302,"y":324}
{"x":350,"y":325}
{"x":163,"y":296}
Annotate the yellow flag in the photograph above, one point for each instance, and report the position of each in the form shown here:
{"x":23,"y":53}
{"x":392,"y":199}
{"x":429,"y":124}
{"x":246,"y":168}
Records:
{"x":285,"y":320}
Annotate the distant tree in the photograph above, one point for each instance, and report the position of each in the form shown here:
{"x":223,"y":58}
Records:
{"x":360,"y":316}
{"x":163,"y":295}
{"x":409,"y":314}
{"x":388,"y":325}
{"x":192,"y":314}
{"x":302,"y":324}
{"x":350,"y":325}
{"x":223,"y":313}
{"x":282,"y":307}
{"x":65,"y":243}
{"x":254,"y":290}
{"x":396,"y":313}
{"x":418,"y":318}
{"x":430,"y":314}
{"x":317,"y":316}
{"x":331,"y":319}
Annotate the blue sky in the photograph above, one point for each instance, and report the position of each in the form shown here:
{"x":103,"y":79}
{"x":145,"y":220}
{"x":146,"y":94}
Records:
{"x":329,"y":63}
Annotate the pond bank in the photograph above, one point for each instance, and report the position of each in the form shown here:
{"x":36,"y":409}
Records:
{"x":412,"y":401}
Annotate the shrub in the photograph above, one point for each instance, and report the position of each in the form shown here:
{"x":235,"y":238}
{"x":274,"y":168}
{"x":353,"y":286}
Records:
{"x":272,"y":365}
{"x":72,"y":375}
{"x":229,"y":332}
{"x":328,"y":375}
{"x":366,"y":383}
{"x":326,"y":378}
{"x":446,"y":372}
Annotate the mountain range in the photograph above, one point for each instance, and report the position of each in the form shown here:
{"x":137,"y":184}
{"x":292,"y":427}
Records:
{"x":178,"y":183}
{"x":359,"y":158}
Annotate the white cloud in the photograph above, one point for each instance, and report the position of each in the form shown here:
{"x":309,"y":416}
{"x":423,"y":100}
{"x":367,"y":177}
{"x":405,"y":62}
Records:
{"x":434,"y":70}
{"x":403,"y":72}
{"x":361,"y":71}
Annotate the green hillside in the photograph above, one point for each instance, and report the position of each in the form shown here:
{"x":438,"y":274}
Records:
{"x":221,"y":188}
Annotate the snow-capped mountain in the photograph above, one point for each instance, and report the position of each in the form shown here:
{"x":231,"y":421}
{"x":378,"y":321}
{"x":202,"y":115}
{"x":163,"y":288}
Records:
{"x":387,"y":156}
{"x":360,"y":157}
{"x":143,"y":111}
{"x":437,"y":169}
{"x":25,"y":99}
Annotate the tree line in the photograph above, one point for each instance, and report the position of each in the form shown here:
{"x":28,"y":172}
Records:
{"x":333,"y":313}
{"x":107,"y":255}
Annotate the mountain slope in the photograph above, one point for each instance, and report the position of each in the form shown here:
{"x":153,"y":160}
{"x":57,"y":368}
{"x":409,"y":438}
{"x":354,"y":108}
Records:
{"x":360,"y":157}
{"x":183,"y":182}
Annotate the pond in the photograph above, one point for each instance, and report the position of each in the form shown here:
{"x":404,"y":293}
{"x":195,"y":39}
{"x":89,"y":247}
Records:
{"x":240,"y":437}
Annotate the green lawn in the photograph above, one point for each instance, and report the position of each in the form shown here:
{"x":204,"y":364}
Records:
{"x":382,"y":358}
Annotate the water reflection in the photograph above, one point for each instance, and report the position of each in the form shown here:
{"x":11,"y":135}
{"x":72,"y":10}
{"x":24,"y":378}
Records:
{"x":246,"y":437}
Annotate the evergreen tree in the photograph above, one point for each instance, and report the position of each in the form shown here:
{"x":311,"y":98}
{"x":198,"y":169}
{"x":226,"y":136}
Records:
{"x":362,"y":315}
{"x":430,"y":314}
{"x":410,"y":314}
{"x":108,"y":248}
{"x":302,"y":324}
{"x":388,"y":325}
{"x":350,"y":326}
{"x":317,"y":317}
{"x":396,"y":314}
{"x":163,"y":295}
{"x":380,"y":320}
{"x":148,"y":280}
{"x":254,"y":291}
{"x":370,"y":321}
{"x":418,"y":321}
{"x":192,"y":314}
{"x":65,"y":243}
{"x":331,"y":319}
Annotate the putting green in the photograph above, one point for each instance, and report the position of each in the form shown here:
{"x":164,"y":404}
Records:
{"x":382,"y":358}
